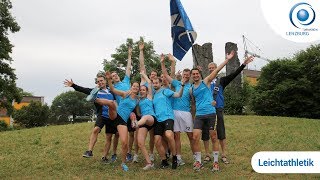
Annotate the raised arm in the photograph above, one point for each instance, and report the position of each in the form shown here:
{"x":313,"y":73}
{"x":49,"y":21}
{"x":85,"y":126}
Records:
{"x":192,"y":104}
{"x":143,"y":75}
{"x":69,"y":83}
{"x":214,"y":73}
{"x":163,"y":68}
{"x":173,"y":65}
{"x":230,"y":77}
{"x":114,"y":90}
{"x":141,"y":61}
{"x":179,"y":94}
{"x":128,"y":69}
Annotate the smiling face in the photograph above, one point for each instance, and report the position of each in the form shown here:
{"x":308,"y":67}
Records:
{"x":143,"y":91}
{"x":153,"y":74}
{"x":101,"y":82}
{"x":156,"y":83}
{"x":195,"y":74}
{"x":212,"y":67}
{"x":165,"y":82}
{"x":186,"y":75}
{"x":135,"y":87}
{"x":115,"y":77}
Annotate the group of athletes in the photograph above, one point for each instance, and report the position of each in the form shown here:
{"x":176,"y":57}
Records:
{"x":164,"y":106}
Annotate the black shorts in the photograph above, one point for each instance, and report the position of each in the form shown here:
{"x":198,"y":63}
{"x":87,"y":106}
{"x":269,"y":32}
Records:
{"x":161,"y":127}
{"x":119,"y":121}
{"x":150,"y":127}
{"x":220,"y":127}
{"x":130,"y":129}
{"x":110,"y":125}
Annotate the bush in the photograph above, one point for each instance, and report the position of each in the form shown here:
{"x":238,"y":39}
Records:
{"x":3,"y":126}
{"x":290,"y":87}
{"x":237,"y":99}
{"x":33,"y":115}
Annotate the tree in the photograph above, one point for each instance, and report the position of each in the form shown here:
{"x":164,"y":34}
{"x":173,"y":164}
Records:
{"x":289,"y":87}
{"x":8,"y":88}
{"x":237,"y":99}
{"x":119,"y":59}
{"x":33,"y":115}
{"x":69,"y":103}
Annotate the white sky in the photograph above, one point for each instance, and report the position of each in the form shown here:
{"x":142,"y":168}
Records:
{"x":69,"y":38}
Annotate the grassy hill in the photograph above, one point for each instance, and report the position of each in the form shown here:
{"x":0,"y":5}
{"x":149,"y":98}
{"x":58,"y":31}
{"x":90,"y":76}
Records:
{"x":55,"y":152}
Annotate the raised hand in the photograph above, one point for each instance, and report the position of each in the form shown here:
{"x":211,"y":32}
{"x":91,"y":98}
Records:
{"x":248,"y":60}
{"x":162,"y":58}
{"x":171,"y":57}
{"x":230,"y":55}
{"x":68,"y":83}
{"x":200,"y":68}
{"x":108,"y":75}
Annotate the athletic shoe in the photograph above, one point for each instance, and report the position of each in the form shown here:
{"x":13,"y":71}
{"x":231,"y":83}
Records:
{"x":224,"y":160}
{"x":148,"y":167}
{"x":164,"y":164}
{"x":181,"y":162}
{"x":174,"y":162}
{"x":87,"y":154}
{"x":93,"y":94}
{"x":151,"y":156}
{"x":104,"y":160}
{"x":207,"y":159}
{"x":135,"y":158}
{"x":197,"y":166}
{"x":124,"y":167}
{"x":134,"y":124}
{"x":215,"y":167}
{"x":129,"y":157}
{"x":113,"y":158}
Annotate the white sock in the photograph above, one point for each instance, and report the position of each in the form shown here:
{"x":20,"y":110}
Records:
{"x":198,"y":156}
{"x":215,"y":155}
{"x":179,"y":156}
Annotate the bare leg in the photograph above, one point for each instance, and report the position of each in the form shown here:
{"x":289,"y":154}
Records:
{"x":177,"y":142}
{"x":107,"y":145}
{"x":142,"y":134}
{"x":115,"y":143}
{"x":151,"y":141}
{"x":93,"y":137}
{"x":123,"y":135}
{"x":170,"y":138}
{"x":159,"y":146}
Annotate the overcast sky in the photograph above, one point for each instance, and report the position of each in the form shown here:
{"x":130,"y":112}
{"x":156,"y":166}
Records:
{"x":70,"y":38}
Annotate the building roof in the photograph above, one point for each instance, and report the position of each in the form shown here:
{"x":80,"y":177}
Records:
{"x":251,"y":73}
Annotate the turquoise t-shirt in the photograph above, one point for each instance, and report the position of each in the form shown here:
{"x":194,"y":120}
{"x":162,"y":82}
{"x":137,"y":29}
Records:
{"x":182,"y":103}
{"x":123,"y":85}
{"x":146,"y":107}
{"x":162,"y":104}
{"x":203,"y":98}
{"x":126,"y":106}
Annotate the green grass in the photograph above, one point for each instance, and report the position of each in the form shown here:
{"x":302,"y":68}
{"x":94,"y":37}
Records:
{"x":55,"y":152}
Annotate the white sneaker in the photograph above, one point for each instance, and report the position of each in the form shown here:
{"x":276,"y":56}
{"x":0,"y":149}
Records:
{"x":151,"y":156}
{"x":181,"y":162}
{"x":135,"y":158}
{"x":148,"y":167}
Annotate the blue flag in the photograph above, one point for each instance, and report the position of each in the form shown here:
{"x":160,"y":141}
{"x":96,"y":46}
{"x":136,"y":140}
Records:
{"x":182,"y":33}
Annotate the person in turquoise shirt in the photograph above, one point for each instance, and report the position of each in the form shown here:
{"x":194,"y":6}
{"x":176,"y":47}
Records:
{"x":183,"y":121}
{"x":127,"y":105}
{"x":205,"y":112}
